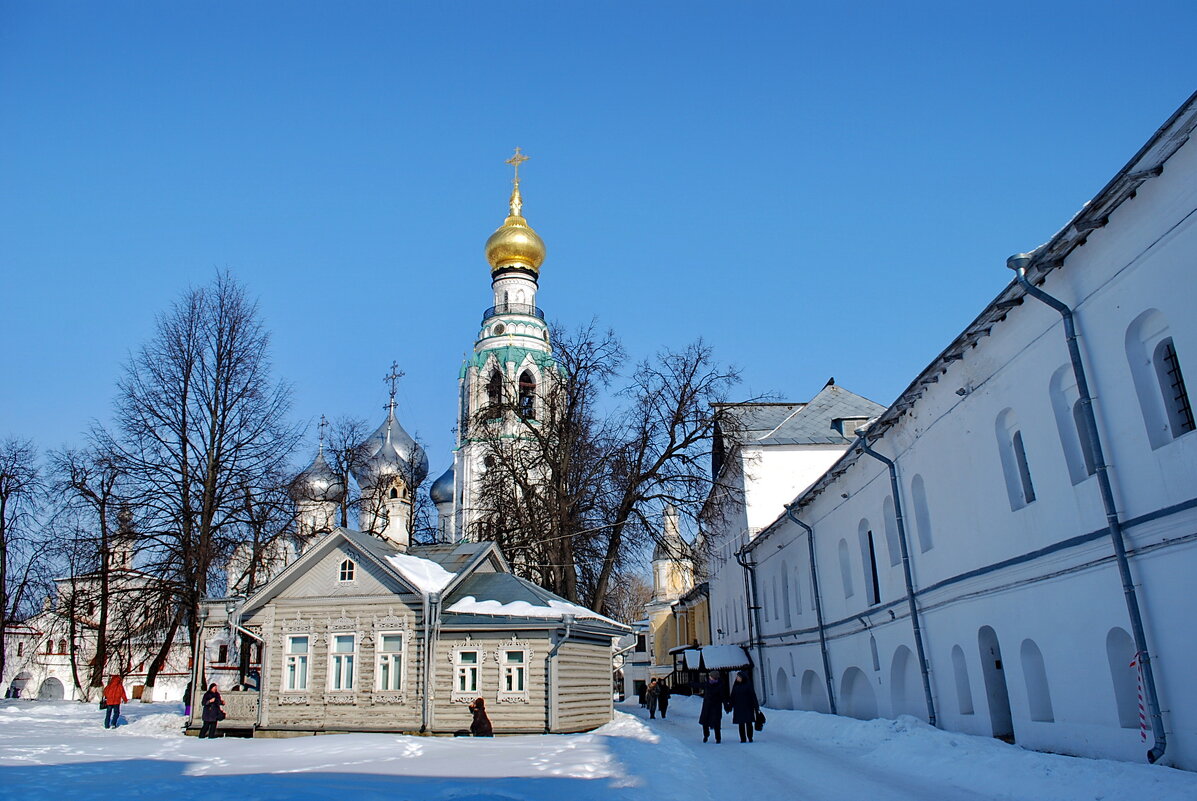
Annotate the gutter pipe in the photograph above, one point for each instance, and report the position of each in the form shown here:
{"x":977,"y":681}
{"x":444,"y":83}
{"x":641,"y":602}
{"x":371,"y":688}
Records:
{"x":549,"y":665}
{"x":754,"y":616}
{"x":1018,"y":263}
{"x":814,"y":582}
{"x":432,"y":617}
{"x":910,"y":601}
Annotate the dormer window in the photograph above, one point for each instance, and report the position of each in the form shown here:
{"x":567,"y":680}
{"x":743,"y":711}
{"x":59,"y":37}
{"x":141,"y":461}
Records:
{"x":348,"y":571}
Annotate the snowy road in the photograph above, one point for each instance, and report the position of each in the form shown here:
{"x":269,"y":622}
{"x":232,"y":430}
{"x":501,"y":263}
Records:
{"x":50,"y":751}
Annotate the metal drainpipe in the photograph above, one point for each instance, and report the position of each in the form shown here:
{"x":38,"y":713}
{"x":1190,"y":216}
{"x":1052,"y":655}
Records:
{"x":814,"y":583}
{"x":1018,"y":263}
{"x":432,"y":616}
{"x":550,"y":690}
{"x":754,"y":612}
{"x":914,"y":609}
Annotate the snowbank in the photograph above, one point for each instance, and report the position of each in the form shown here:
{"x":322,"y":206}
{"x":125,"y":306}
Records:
{"x":423,"y":574}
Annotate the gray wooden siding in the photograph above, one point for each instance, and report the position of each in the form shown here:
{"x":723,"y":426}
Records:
{"x":321,"y":709}
{"x":506,"y":717}
{"x":583,"y":686}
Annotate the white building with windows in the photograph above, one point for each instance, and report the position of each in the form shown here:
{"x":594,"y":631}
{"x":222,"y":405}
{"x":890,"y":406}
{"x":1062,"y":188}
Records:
{"x":979,"y":583}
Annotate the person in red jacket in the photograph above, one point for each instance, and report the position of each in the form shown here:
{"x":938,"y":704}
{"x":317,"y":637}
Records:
{"x":114,"y":696}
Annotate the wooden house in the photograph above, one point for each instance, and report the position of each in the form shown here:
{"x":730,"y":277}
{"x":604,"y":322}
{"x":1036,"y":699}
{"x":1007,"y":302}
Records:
{"x":359,"y":635}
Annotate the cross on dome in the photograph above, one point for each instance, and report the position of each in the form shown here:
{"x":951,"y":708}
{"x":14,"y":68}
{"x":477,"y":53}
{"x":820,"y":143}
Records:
{"x":515,"y":161}
{"x":392,"y":378}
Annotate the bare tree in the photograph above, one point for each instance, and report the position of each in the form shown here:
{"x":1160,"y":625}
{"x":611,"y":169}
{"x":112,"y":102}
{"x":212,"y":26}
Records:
{"x":572,"y":494}
{"x":199,"y":419}
{"x":20,"y":491}
{"x":87,"y":480}
{"x":347,"y":451}
{"x":629,"y":593}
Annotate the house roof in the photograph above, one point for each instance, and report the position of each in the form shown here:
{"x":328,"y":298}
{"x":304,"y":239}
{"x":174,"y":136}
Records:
{"x":814,"y":423}
{"x":452,"y":570}
{"x":505,"y":595}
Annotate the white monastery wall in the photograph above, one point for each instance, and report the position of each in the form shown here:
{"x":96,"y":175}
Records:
{"x":982,"y":558}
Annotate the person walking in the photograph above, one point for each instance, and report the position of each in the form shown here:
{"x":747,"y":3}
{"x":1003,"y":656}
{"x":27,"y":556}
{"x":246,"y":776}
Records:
{"x":213,"y":712}
{"x":744,"y":705}
{"x":663,"y":693}
{"x":114,"y":696}
{"x":714,"y":697}
{"x":651,"y":697}
{"x":480,"y":726}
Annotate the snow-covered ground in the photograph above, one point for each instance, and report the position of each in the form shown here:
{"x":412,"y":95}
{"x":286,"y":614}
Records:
{"x":53,"y":750}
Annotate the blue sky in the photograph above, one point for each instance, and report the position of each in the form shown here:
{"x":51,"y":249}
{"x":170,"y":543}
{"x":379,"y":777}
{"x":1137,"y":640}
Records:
{"x":817,"y":190}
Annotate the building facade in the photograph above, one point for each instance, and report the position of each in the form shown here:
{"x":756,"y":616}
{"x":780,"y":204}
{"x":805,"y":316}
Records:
{"x":969,"y":566}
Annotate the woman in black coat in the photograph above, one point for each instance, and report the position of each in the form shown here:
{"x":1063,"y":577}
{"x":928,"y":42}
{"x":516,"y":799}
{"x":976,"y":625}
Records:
{"x":213,"y":714}
{"x":480,"y":726}
{"x":713,"y":699}
{"x":744,"y":705}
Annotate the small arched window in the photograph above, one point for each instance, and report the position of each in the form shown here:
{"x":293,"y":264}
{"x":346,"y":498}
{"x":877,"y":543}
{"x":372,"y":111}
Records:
{"x":347,"y":571}
{"x":494,"y":390}
{"x":845,"y":568}
{"x":62,"y":646}
{"x":394,"y":492}
{"x":527,"y":395}
{"x":1172,"y":387}
{"x":1014,"y":460}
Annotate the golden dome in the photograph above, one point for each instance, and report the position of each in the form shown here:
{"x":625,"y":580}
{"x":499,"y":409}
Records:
{"x":515,"y":244}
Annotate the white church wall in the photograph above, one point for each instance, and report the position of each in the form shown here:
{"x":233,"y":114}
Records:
{"x":1056,"y":609}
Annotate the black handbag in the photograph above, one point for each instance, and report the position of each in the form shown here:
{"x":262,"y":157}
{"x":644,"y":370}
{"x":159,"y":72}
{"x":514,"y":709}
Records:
{"x":103,"y":704}
{"x":759,"y":723}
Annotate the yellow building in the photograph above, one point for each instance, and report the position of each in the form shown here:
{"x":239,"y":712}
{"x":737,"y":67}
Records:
{"x":678,"y":614}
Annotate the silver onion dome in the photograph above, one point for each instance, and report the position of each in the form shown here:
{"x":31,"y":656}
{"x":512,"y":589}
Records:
{"x":441,"y":490}
{"x":318,"y":483}
{"x":392,"y":452}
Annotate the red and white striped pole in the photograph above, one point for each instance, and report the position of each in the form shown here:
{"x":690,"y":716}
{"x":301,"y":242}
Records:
{"x":1142,"y":708}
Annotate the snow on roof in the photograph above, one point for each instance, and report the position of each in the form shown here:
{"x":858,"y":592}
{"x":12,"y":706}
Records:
{"x":717,"y":657}
{"x":555,"y":609}
{"x":424,"y":574}
{"x":722,"y":657}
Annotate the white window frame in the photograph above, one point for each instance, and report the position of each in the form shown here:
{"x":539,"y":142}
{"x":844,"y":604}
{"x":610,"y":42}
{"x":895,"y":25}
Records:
{"x":390,"y":657}
{"x":462,"y":669}
{"x":291,"y":659}
{"x":347,"y":571}
{"x":506,"y":670}
{"x":336,"y":658}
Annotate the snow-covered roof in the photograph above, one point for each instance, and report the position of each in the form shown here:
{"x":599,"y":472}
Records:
{"x":717,"y":657}
{"x":423,"y":574}
{"x":554,"y":609}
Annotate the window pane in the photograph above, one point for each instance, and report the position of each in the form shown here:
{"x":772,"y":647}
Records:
{"x":515,"y":657}
{"x":392,"y":642}
{"x":298,"y":645}
{"x":384,"y":674}
{"x":469,"y":657}
{"x":344,"y":644}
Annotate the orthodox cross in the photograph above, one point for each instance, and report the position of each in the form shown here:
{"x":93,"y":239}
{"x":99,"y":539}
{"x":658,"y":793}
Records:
{"x":515,"y":161}
{"x":323,"y":425}
{"x":392,"y":378}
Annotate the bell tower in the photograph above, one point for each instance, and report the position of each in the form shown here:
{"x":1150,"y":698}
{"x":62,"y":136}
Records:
{"x":511,"y":364}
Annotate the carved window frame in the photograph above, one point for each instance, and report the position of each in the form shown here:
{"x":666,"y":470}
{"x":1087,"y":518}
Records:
{"x":506,"y":696}
{"x":458,"y":696}
{"x":288,"y":636}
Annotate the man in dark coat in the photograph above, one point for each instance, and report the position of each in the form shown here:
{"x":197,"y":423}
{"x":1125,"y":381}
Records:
{"x":713,"y":699}
{"x":663,"y":693}
{"x":744,"y":705}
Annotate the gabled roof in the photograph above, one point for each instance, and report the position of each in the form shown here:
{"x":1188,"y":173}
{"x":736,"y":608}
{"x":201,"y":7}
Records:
{"x":814,"y":423}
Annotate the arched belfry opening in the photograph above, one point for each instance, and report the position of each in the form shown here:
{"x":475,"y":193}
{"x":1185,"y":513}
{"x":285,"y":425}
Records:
{"x":494,"y":389}
{"x":527,"y":395}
